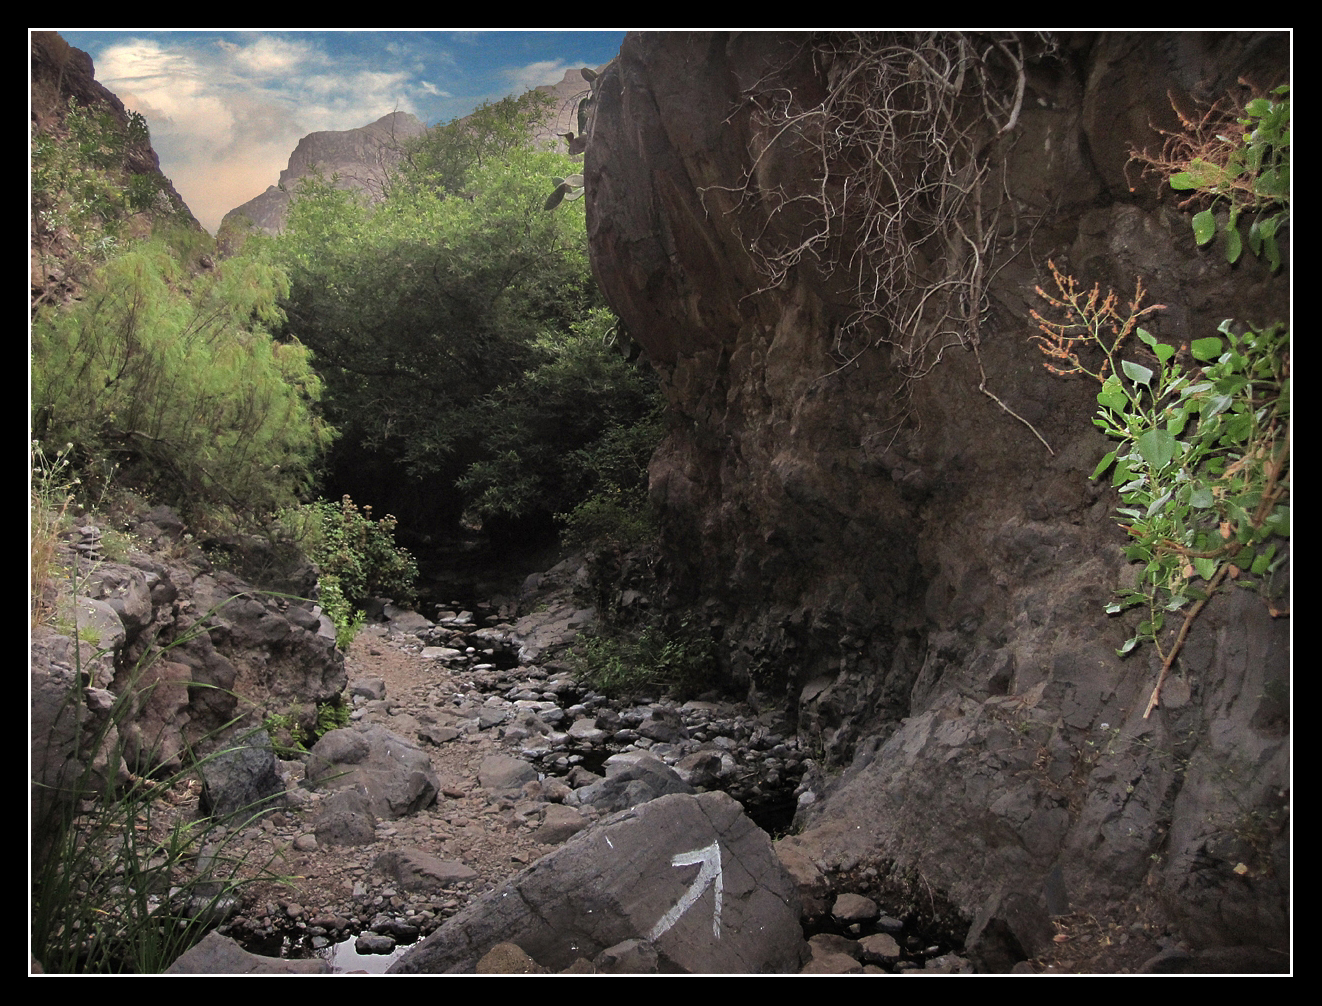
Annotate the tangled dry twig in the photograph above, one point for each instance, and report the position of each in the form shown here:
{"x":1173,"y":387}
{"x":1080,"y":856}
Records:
{"x":901,"y":144}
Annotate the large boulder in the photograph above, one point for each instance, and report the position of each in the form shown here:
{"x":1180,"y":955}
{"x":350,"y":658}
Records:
{"x":631,"y":779}
{"x":691,"y":875}
{"x":242,"y":778}
{"x":394,"y":774}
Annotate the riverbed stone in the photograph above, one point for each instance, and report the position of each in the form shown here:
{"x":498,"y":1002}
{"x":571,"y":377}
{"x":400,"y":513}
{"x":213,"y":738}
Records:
{"x":242,"y":779}
{"x":220,"y":955}
{"x":394,"y":773}
{"x":631,"y":779}
{"x":500,"y":773}
{"x":346,"y":818}
{"x":415,"y":870}
{"x":854,"y":908}
{"x":692,"y":875}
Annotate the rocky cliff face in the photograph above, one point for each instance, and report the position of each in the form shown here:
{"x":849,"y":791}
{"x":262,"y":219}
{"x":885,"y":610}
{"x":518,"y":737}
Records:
{"x":883,"y":547}
{"x":60,"y":74}
{"x":361,"y":158}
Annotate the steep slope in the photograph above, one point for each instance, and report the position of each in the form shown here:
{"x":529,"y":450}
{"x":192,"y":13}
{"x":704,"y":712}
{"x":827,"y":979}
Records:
{"x":359,"y":157}
{"x":122,"y":160}
{"x":883,"y":547}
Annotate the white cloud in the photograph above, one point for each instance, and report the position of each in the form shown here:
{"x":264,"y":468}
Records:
{"x":547,"y":71}
{"x":270,"y":54}
{"x":224,"y":117}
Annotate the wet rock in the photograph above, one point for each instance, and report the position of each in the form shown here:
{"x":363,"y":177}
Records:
{"x":374,"y":943}
{"x":631,"y":957}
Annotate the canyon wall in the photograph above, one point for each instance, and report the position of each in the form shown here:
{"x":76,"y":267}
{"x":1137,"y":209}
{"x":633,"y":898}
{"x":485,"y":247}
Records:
{"x":893,"y":531}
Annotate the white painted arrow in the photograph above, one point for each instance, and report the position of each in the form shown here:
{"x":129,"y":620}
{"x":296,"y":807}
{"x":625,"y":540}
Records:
{"x":710,"y":873}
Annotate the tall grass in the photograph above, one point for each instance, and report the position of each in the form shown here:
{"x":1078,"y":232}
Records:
{"x":49,"y":497}
{"x":123,"y":882}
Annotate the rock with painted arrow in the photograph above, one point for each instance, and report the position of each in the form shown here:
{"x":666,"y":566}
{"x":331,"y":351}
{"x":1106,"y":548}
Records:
{"x":690,"y":875}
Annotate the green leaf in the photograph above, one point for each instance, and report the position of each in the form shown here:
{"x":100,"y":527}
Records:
{"x":1272,"y":184}
{"x":1182,"y":181}
{"x":1234,"y":245}
{"x":1157,"y":448}
{"x":1163,"y":351}
{"x":1204,"y":227}
{"x":1113,"y":395}
{"x":1206,"y":567}
{"x":1136,"y":373}
{"x":1273,"y":252}
{"x":1102,"y":465}
{"x":1158,"y":503}
{"x":1202,"y":498}
{"x":1206,"y":349}
{"x":1129,"y":644}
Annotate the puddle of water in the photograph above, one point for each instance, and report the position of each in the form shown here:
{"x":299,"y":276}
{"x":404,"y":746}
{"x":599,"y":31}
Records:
{"x":343,"y":958}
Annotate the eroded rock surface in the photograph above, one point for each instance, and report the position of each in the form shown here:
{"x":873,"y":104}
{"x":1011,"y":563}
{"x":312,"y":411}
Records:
{"x":894,"y":556}
{"x":690,"y":875}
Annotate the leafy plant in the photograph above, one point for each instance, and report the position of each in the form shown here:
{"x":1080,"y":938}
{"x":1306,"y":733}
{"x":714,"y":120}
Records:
{"x":1243,"y":162}
{"x":357,"y":558}
{"x":1202,"y":461}
{"x":679,"y":659}
{"x":178,"y":379}
{"x":83,"y":192}
{"x":50,"y":496}
{"x":330,"y":716}
{"x":580,"y":426}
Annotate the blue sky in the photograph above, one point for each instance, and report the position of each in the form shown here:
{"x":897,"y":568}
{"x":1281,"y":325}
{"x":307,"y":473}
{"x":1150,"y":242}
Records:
{"x":226,"y":108}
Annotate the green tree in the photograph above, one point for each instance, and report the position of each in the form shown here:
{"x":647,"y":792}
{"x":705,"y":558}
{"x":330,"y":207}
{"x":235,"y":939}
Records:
{"x":420,"y":306}
{"x":176,"y":380}
{"x":583,"y":422}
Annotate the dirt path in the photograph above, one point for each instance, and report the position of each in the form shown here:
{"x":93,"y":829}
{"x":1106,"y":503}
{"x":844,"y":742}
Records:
{"x":336,"y":889}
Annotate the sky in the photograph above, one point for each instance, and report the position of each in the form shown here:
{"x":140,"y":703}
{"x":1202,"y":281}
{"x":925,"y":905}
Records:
{"x":227,"y":108}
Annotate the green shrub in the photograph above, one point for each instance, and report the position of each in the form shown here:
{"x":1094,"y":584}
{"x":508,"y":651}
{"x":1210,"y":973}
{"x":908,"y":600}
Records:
{"x":1202,"y":464}
{"x":680,"y":659}
{"x":578,"y":430}
{"x":357,"y":558}
{"x":609,"y":519}
{"x":178,"y":381}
